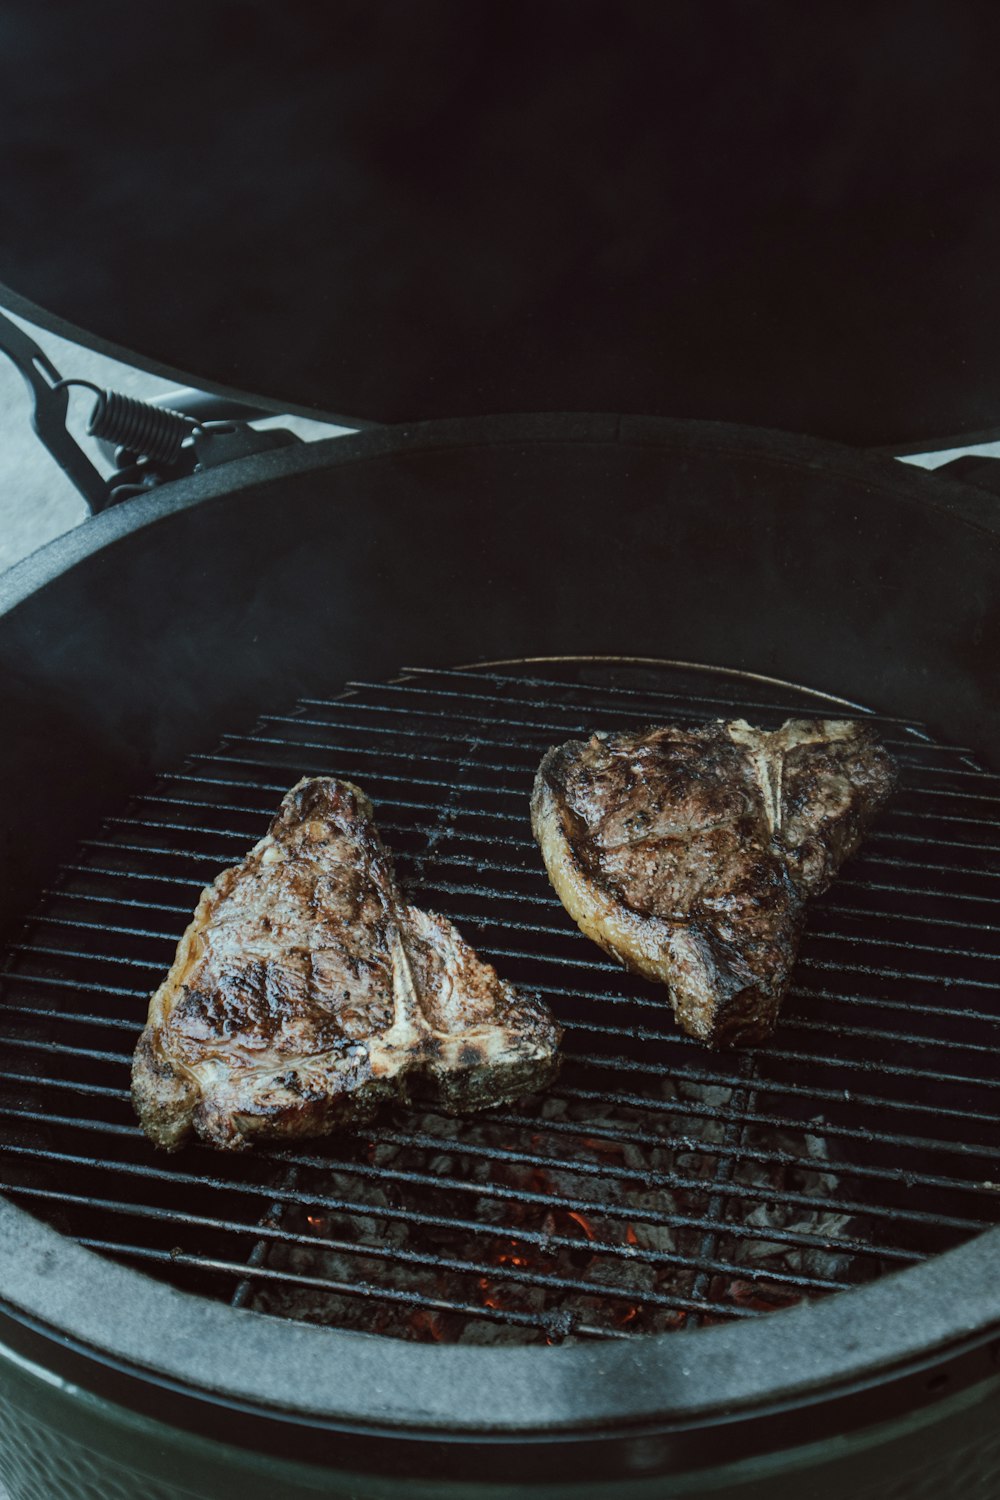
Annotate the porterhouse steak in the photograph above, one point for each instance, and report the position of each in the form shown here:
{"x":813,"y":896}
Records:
{"x":689,"y":854}
{"x":306,"y":990}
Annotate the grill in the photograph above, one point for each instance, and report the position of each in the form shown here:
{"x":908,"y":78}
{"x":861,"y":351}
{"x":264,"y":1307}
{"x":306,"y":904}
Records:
{"x":657,"y":1184}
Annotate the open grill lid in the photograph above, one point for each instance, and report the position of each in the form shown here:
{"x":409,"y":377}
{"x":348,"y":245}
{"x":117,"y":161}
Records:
{"x":394,"y":212}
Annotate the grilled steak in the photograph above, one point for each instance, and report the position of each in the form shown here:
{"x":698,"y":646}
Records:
{"x":306,"y":990}
{"x":688,"y":855}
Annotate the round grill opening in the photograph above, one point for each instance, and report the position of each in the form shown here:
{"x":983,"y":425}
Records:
{"x":657,"y":1184}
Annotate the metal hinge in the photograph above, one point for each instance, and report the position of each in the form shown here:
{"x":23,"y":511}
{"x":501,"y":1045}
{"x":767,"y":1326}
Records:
{"x":148,"y":444}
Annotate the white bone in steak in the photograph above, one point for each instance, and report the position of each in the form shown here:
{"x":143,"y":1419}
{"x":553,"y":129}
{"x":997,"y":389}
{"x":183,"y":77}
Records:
{"x":688,"y":854}
{"x":306,"y":990}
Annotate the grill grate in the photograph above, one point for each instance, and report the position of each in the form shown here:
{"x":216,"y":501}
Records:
{"x":658,"y":1183}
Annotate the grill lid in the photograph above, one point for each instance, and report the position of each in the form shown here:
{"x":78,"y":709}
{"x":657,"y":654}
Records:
{"x":745,"y":215}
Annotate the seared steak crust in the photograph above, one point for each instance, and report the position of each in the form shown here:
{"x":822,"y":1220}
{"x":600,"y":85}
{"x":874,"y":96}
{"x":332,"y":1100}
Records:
{"x":306,"y":990}
{"x":688,"y":854}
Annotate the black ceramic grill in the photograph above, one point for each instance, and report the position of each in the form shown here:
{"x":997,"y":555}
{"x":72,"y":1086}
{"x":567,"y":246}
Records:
{"x":657,"y":1184}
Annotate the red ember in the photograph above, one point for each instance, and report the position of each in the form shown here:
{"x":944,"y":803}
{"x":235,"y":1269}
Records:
{"x":583,"y":1223}
{"x":426,"y":1326}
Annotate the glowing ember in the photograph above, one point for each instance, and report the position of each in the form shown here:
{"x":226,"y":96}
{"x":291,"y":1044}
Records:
{"x":426,"y":1326}
{"x":603,"y":1147}
{"x":507,"y":1258}
{"x":491,"y":1297}
{"x":583,"y":1223}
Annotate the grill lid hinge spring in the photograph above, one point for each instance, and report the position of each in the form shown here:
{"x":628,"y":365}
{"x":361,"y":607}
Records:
{"x":136,"y":428}
{"x":148,"y":443}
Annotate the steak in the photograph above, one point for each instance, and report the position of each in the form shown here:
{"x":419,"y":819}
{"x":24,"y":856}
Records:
{"x":306,"y":990}
{"x":689,"y":854}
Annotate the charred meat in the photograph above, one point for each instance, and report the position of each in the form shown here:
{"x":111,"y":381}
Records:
{"x":689,"y":854}
{"x":306,"y":990}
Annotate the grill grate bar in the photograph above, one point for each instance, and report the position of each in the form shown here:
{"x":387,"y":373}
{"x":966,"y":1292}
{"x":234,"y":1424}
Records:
{"x":435,"y":783}
{"x":159,"y":876}
{"x":845,"y":708}
{"x":277,"y":789}
{"x":870,"y":858}
{"x":836,"y":909}
{"x":815,"y":1093}
{"x":562,"y":929}
{"x":78,"y":924}
{"x":475,"y":1227}
{"x":654,"y":1106}
{"x":752,"y":1117}
{"x":529,"y":751}
{"x":868,"y":1033}
{"x":484,"y":865}
{"x":720,"y":1149}
{"x":362,"y":1289}
{"x":64,"y":1049}
{"x":90,"y":987}
{"x":280,"y":1235}
{"x":71,"y":1085}
{"x":583,"y":1166}
{"x":80,"y":955}
{"x":458,"y":675}
{"x":608,"y":1209}
{"x":541,"y":899}
{"x":587,"y":965}
{"x":572,"y":1026}
{"x":844,"y":882}
{"x":78,"y":1018}
{"x":894,"y":1070}
{"x":392,"y":722}
{"x":271,"y":1217}
{"x":416,"y":689}
{"x":639,"y":1101}
{"x":348,"y":724}
{"x":940,"y":817}
{"x":130,"y":903}
{"x":540,"y":1321}
{"x":620,"y":1063}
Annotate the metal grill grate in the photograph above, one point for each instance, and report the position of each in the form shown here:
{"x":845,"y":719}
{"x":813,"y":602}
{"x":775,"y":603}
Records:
{"x":658,"y":1183}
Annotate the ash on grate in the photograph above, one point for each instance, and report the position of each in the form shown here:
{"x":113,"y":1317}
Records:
{"x":576,"y":1218}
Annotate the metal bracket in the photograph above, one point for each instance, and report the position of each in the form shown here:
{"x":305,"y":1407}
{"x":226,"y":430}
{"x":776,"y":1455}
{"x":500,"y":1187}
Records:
{"x":48,"y":417}
{"x":149,"y":442}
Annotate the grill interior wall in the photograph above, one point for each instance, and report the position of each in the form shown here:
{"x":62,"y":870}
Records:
{"x":657,"y":1184}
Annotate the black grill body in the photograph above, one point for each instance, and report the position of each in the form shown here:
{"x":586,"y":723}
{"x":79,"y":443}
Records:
{"x":284,"y":578}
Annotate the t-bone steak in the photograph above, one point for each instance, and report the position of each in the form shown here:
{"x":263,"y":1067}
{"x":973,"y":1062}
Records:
{"x":306,"y":990}
{"x":689,"y":854}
